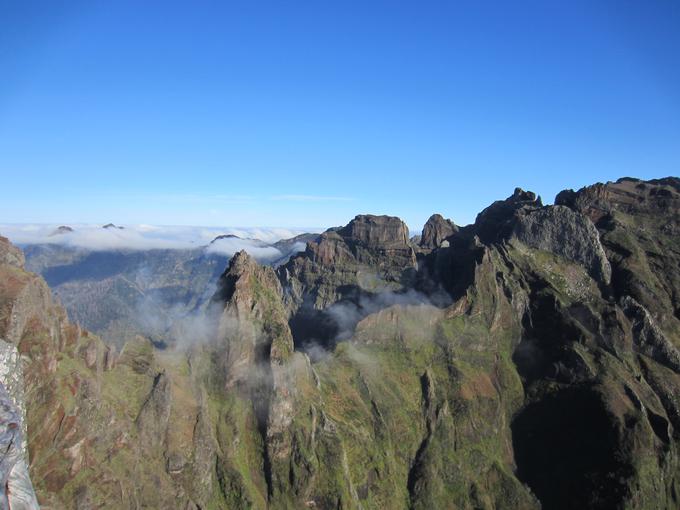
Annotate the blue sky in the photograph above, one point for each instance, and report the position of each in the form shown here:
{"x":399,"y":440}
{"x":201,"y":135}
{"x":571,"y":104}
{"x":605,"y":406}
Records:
{"x":307,"y":113}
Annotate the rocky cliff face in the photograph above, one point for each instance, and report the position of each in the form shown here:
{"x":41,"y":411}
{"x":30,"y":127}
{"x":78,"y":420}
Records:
{"x":436,"y":231}
{"x":639,"y":225}
{"x":548,"y":378}
{"x":371,"y":253}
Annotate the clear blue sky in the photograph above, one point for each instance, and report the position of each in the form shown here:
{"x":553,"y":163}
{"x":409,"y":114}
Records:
{"x":307,"y":113}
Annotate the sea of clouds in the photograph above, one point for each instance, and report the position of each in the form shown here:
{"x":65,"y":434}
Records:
{"x":255,"y":241}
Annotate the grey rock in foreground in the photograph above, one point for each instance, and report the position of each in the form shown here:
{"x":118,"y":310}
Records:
{"x":17,"y":490}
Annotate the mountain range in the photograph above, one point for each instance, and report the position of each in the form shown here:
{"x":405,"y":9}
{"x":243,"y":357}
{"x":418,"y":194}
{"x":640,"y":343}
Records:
{"x":529,"y":360}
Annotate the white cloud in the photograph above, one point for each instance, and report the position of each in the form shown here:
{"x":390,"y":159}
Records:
{"x":147,"y":237}
{"x":258,"y":250}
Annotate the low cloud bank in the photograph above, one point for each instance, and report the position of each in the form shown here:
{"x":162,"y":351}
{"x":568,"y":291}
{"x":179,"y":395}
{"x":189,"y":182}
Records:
{"x":256,"y":248}
{"x":149,"y":237}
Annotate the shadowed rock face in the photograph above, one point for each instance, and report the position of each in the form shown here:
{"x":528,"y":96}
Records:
{"x":578,"y":469}
{"x":496,"y":221}
{"x":436,"y":231}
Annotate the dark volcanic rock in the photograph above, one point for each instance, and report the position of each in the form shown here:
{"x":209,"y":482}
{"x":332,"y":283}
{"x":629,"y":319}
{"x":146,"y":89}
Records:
{"x":496,"y":221}
{"x":436,"y":230}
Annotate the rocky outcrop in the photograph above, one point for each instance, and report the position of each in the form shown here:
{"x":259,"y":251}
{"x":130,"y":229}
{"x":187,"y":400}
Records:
{"x":377,"y":241}
{"x":18,"y":492}
{"x":629,"y":196}
{"x":369,"y":256}
{"x":12,"y":379}
{"x":497,"y":221}
{"x":436,"y":231}
{"x":152,"y":421}
{"x":253,"y":324}
{"x":561,"y":231}
{"x":375,"y":233}
{"x":647,"y":336}
{"x":639,"y":226}
{"x":10,"y":254}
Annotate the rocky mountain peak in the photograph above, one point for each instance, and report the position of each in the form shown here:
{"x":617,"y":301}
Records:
{"x":254,"y":321}
{"x":519,"y":196}
{"x":496,"y":221}
{"x":236,"y":277}
{"x":436,"y":230}
{"x":370,"y":254}
{"x":376,"y":231}
{"x":61,"y":230}
{"x":241,"y":262}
